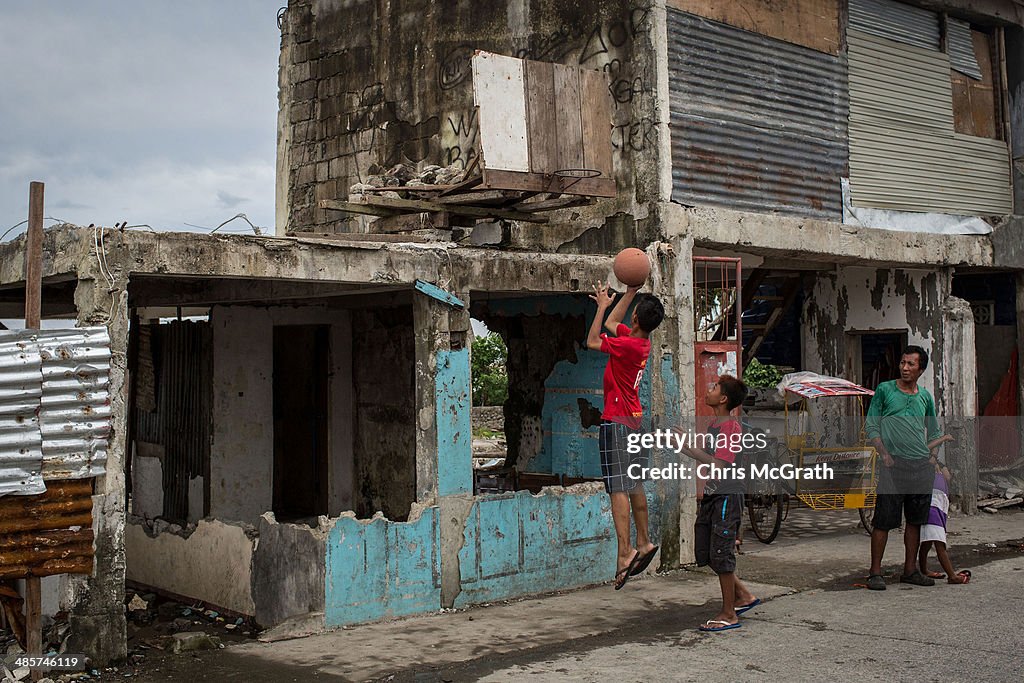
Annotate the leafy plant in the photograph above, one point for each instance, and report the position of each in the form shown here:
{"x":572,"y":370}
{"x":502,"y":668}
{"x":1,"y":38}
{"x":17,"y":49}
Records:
{"x":489,"y":374}
{"x":758,"y":374}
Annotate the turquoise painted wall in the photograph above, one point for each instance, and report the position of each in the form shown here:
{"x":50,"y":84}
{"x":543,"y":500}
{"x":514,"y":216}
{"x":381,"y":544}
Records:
{"x":378,"y":569}
{"x":521,"y":544}
{"x":454,"y":426}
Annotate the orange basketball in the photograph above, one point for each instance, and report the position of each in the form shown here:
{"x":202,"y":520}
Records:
{"x":631,"y":267}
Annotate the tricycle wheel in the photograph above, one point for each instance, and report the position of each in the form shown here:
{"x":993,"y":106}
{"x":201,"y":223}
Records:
{"x":867,"y":516}
{"x":765,"y":511}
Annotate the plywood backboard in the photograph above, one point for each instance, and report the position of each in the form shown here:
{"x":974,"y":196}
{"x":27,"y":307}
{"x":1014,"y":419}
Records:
{"x":811,"y":23}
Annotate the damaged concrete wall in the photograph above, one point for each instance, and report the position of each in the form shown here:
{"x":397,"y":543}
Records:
{"x":213,"y":563}
{"x":385,"y":414}
{"x":862,"y":299}
{"x":288,"y":570}
{"x":369,"y":84}
{"x":242,"y":451}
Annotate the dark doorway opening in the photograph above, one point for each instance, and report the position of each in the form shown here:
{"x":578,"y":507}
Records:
{"x":880,"y":357}
{"x":301,"y":409}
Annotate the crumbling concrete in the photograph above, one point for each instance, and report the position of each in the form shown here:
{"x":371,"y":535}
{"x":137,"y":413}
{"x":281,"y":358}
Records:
{"x":213,"y":564}
{"x":288,"y":570}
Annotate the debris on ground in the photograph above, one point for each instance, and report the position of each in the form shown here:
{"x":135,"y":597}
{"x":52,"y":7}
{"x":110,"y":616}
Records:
{"x":999,"y":491}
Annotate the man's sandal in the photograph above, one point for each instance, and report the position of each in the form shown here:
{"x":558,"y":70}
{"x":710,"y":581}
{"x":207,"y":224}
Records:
{"x":716,"y":625}
{"x":622,"y":576}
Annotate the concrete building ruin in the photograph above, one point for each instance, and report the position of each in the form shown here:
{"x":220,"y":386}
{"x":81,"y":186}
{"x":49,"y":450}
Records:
{"x":301,"y":451}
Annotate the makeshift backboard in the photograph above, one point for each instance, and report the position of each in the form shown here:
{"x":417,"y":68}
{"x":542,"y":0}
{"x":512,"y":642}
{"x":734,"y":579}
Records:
{"x":543,"y":127}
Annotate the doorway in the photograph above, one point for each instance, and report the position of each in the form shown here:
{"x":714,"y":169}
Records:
{"x":301,"y":409}
{"x":873,"y":356}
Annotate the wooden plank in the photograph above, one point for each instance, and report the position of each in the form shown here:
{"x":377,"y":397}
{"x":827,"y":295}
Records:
{"x":34,"y":619}
{"x":341,"y":237}
{"x":410,"y":221}
{"x":568,"y":124}
{"x":479,"y":211}
{"x":541,"y":127}
{"x":811,"y":23}
{"x":34,"y":257}
{"x":597,"y":122}
{"x":554,"y":204}
{"x":479,"y":197}
{"x":509,"y":180}
{"x":355,"y":207}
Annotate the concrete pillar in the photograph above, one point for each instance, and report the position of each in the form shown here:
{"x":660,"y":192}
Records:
{"x":662,"y":368}
{"x":685,"y":368}
{"x":95,"y":603}
{"x":959,"y":403}
{"x":444,"y":457}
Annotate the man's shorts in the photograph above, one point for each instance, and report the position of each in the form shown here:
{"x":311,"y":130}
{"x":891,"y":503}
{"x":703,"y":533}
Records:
{"x":616,"y":459}
{"x":904,"y":491}
{"x":718,"y":525}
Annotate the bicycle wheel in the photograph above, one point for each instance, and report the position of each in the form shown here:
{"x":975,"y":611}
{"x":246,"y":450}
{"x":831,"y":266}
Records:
{"x":867,"y":517}
{"x":765,"y":512}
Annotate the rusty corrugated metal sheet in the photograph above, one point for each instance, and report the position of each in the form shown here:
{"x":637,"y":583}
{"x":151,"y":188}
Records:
{"x":20,"y":392}
{"x":47,"y":534}
{"x":757,"y":124}
{"x":75,"y":414}
{"x":54,"y":406}
{"x":896,"y":21}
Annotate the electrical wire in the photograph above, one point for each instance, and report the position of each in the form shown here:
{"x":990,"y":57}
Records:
{"x":17,"y":225}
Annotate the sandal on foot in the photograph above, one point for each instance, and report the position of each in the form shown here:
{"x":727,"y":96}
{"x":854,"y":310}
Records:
{"x":917,"y":579}
{"x":749,"y":606}
{"x":935,"y":575}
{"x":622,"y":576}
{"x":965,"y":574}
{"x":716,"y":625}
{"x":876,"y":582}
{"x":645,"y":561}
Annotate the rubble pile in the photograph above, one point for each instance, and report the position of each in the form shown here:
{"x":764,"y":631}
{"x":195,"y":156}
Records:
{"x":406,"y":177}
{"x":996,"y":492}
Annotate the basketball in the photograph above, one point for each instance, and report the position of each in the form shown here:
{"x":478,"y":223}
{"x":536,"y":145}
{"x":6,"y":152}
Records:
{"x":631,"y":267}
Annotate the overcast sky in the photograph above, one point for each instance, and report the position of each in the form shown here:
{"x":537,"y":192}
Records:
{"x":158,"y":112}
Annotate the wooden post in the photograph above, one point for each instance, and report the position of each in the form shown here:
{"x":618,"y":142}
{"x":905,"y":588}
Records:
{"x":33,"y":314}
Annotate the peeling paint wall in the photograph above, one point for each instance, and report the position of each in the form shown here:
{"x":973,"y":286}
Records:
{"x":519,"y":544}
{"x":213,"y":564}
{"x":242,"y":451}
{"x":379,"y":568}
{"x":863,"y":299}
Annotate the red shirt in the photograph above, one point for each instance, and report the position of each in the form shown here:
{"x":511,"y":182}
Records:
{"x":627,"y":357}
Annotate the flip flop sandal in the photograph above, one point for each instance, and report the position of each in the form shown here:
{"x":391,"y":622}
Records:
{"x":708,"y":626}
{"x":746,"y":608}
{"x":622,"y":576}
{"x":644,"y":562}
{"x":935,"y":575}
{"x":966,"y":573}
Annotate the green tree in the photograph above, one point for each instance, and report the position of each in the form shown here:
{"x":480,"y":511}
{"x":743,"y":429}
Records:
{"x":489,"y":374}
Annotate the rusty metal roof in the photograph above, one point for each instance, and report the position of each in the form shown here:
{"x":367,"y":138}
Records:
{"x":54,"y":406}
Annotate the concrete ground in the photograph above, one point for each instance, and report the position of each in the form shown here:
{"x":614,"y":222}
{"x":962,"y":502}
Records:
{"x":816,"y":623}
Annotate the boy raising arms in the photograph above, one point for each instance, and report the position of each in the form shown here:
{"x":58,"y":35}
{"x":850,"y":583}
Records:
{"x":721,"y":509}
{"x":627,"y":353}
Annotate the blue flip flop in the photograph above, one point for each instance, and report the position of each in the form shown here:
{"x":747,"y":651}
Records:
{"x":747,"y":608}
{"x":725,"y":626}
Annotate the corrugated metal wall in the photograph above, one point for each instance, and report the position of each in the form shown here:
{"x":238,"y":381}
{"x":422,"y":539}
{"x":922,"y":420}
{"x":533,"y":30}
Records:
{"x":54,"y":406}
{"x":904,"y":153}
{"x":757,"y":124}
{"x":960,"y":47}
{"x":181,"y":422}
{"x":895,"y":21}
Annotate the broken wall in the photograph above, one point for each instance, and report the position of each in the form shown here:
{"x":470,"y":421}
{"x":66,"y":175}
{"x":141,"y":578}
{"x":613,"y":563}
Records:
{"x":862,"y":299}
{"x":384,"y":382}
{"x":213,"y":563}
{"x":242,"y":449}
{"x":369,"y":84}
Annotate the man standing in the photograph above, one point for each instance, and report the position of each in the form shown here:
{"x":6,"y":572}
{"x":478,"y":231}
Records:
{"x":900,"y":423}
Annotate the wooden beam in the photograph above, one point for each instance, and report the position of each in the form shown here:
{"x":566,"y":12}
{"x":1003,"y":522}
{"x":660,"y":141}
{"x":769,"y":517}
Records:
{"x":514,"y":180}
{"x":419,"y":205}
{"x":34,"y":257}
{"x":353,"y":207}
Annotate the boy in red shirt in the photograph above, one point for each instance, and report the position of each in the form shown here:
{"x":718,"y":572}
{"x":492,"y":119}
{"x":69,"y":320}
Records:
{"x":627,"y":356}
{"x":721,"y":508}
